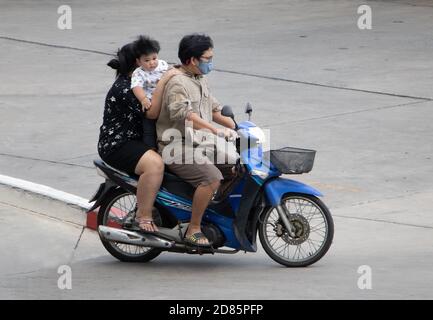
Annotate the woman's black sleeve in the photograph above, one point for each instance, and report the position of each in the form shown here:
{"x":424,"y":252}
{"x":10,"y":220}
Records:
{"x":128,"y":98}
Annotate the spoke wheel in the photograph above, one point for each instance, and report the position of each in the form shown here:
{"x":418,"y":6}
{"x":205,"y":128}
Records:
{"x":119,"y":210}
{"x":313,"y":231}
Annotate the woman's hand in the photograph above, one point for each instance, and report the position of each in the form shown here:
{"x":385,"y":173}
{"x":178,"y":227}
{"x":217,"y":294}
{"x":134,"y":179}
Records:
{"x":169,"y":74}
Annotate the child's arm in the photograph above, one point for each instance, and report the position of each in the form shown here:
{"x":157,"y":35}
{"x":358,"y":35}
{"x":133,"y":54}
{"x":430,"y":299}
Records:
{"x":137,"y":83}
{"x":153,"y":112}
{"x":140,"y":94}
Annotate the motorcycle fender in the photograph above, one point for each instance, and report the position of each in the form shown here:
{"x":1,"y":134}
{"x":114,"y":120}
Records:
{"x":277,"y":188}
{"x":100,"y":195}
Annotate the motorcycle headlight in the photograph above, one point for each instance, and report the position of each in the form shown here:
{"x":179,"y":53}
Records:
{"x":258,"y":134}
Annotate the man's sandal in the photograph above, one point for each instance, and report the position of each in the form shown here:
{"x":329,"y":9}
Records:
{"x":140,"y":222}
{"x":194,"y":239}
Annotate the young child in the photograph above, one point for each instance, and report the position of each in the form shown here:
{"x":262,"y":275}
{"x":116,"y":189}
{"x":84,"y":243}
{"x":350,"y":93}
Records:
{"x":144,"y":80}
{"x":149,"y":72}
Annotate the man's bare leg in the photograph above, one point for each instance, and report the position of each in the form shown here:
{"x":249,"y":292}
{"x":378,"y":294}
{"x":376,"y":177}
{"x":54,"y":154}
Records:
{"x":200,"y":201}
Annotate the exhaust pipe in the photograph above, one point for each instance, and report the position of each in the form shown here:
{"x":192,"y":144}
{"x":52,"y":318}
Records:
{"x":134,"y":238}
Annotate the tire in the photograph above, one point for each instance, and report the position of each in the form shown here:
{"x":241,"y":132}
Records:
{"x":303,"y":231}
{"x":113,"y":248}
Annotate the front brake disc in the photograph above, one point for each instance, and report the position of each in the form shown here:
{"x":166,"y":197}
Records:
{"x":302,"y":230}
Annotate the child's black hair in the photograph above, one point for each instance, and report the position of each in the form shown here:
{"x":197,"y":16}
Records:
{"x":145,"y":46}
{"x":193,"y":46}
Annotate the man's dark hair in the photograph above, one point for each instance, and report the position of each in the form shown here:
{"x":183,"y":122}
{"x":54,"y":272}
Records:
{"x":145,"y":46}
{"x":193,"y":46}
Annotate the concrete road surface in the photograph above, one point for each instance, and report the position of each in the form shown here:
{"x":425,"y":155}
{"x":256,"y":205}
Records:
{"x":362,"y":98}
{"x":38,"y":246}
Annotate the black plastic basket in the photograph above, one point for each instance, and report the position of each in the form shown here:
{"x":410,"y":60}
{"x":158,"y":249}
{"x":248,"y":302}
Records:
{"x":293,"y":160}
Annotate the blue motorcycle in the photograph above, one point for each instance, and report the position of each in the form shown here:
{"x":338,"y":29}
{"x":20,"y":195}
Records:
{"x":294,"y":226}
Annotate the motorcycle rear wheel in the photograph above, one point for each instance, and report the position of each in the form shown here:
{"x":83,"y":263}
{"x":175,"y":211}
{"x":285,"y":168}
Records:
{"x":118,"y":206}
{"x":314,"y":231}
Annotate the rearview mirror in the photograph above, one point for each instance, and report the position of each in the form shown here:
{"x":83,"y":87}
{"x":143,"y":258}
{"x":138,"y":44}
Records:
{"x":249,"y":110}
{"x":228,"y":112}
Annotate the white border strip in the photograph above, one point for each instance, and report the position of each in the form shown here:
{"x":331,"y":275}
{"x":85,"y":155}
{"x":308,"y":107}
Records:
{"x":45,"y":191}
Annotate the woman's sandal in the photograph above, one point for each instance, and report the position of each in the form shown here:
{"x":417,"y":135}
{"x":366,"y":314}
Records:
{"x":146,"y":221}
{"x":194,"y":239}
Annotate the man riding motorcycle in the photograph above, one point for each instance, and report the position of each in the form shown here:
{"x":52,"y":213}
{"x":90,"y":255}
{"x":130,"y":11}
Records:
{"x":187,"y":99}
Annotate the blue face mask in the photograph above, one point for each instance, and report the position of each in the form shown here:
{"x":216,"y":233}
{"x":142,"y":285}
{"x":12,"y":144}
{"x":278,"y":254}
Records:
{"x":205,"y":67}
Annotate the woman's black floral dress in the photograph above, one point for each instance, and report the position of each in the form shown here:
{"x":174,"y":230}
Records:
{"x":122,"y":118}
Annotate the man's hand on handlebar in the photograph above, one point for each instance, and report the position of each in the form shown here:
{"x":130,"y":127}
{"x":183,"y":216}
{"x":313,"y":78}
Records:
{"x":226,"y":133}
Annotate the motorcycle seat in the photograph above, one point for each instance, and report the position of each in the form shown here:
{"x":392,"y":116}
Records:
{"x":171,"y":182}
{"x":103,"y":165}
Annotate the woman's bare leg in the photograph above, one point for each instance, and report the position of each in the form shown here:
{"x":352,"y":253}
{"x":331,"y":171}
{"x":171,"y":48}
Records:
{"x":150,"y":168}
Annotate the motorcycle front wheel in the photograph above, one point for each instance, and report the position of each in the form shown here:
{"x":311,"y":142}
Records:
{"x":119,"y":207}
{"x":313,"y":231}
